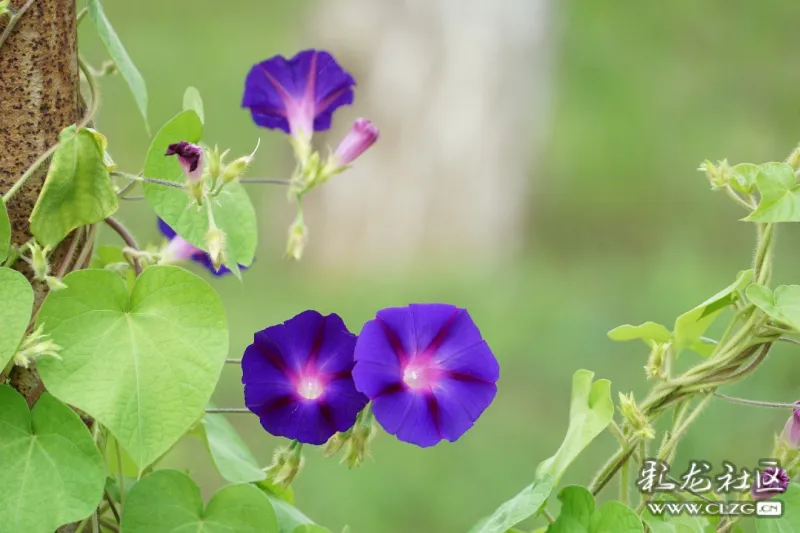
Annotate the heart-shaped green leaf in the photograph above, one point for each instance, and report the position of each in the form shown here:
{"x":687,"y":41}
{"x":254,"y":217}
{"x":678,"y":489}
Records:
{"x":168,"y":501}
{"x":193,"y":101}
{"x":744,"y":177}
{"x":591,"y":410}
{"x":16,"y":305}
{"x":290,"y":519}
{"x":232,"y":457}
{"x":780,"y":194}
{"x":783,"y":305}
{"x":521,"y":507}
{"x":676,"y":524}
{"x":143,"y":363}
{"x":77,"y":191}
{"x":691,"y":325}
{"x":51,"y":472}
{"x":5,"y":232}
{"x":789,"y":522}
{"x":649,"y":332}
{"x":579,"y":515}
{"x":120,"y":56}
{"x":233,"y":211}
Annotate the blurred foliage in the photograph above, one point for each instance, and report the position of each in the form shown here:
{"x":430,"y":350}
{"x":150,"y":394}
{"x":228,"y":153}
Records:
{"x":624,"y":230}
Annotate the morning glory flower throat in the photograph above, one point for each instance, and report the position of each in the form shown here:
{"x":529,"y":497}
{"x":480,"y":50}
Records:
{"x":297,"y":378}
{"x":297,"y":95}
{"x":427,"y":370}
{"x":179,"y":250}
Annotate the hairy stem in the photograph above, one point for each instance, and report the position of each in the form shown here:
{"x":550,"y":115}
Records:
{"x":128,"y":238}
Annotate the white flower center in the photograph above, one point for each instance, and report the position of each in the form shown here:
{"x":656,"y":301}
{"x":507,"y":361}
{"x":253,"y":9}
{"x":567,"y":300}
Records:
{"x":309,"y":388}
{"x":413,"y":377}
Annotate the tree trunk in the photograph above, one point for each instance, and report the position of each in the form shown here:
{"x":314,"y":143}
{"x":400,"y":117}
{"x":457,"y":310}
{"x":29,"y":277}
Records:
{"x":460,"y":91}
{"x":39,"y":96}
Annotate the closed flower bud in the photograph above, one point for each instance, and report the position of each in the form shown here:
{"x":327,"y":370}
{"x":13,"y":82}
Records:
{"x":718,"y":174}
{"x":286,"y":464}
{"x":794,"y":159}
{"x":298,"y":236}
{"x":215,"y":241}
{"x":55,"y":284}
{"x":214,"y":159}
{"x":35,"y":346}
{"x":357,"y":446}
{"x":238,"y":167}
{"x":335,"y":443}
{"x":770,"y":482}
{"x":38,"y":260}
{"x":361,"y":136}
{"x":655,"y":364}
{"x":635,"y":417}
{"x":791,"y":433}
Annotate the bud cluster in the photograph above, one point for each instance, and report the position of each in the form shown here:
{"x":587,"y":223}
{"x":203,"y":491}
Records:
{"x":635,"y":417}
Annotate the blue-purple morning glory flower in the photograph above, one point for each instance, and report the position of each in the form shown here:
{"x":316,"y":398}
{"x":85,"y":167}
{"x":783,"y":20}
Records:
{"x":297,"y":95}
{"x":297,"y":378}
{"x":427,"y":370}
{"x":178,"y":250}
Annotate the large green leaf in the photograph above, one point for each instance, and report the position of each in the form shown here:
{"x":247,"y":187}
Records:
{"x":16,"y":305}
{"x":675,"y":524}
{"x":521,"y":507}
{"x":744,"y":177}
{"x":789,"y":522}
{"x":591,"y":410}
{"x":77,"y":191}
{"x":649,"y":332}
{"x":691,"y":325}
{"x":290,"y":519}
{"x":232,"y":457}
{"x":120,"y":57}
{"x":5,"y":232}
{"x":51,"y":472}
{"x":780,"y":194}
{"x":168,"y":501}
{"x":783,"y":305}
{"x":579,"y":515}
{"x":143,"y":363}
{"x":193,"y":101}
{"x":233,"y":211}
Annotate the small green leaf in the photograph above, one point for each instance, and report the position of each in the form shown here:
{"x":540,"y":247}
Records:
{"x":168,"y":501}
{"x":232,"y":457}
{"x":289,"y":517}
{"x":5,"y":232}
{"x":16,"y":306}
{"x":783,"y":305}
{"x":649,"y":332}
{"x":143,"y":363}
{"x":691,"y":325}
{"x":193,"y":101}
{"x":233,"y":211}
{"x":77,"y":191}
{"x":744,"y":177}
{"x":52,"y":473}
{"x":310,"y":528}
{"x":780,"y":194}
{"x":120,"y":57}
{"x":591,"y":410}
{"x":519,"y":508}
{"x":579,"y":515}
{"x":790,"y":521}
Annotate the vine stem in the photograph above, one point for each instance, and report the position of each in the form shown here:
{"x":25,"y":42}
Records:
{"x":126,"y":236}
{"x":228,"y":410}
{"x":233,"y":361}
{"x":274,"y":181}
{"x":50,"y":151}
{"x":756,"y":403}
{"x":133,"y":177}
{"x":681,"y":430}
{"x":13,"y":22}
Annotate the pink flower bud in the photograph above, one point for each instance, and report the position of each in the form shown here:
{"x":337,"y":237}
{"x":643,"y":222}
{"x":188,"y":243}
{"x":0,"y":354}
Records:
{"x":190,"y":157}
{"x":361,"y":136}
{"x":791,"y":433}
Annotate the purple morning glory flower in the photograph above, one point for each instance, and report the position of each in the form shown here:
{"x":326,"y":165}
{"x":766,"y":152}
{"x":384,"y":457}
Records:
{"x":361,"y":136}
{"x":297,"y":95}
{"x":773,"y":481}
{"x":791,"y":433}
{"x":427,"y":370}
{"x":297,"y":378}
{"x":179,"y":251}
{"x":190,"y":157}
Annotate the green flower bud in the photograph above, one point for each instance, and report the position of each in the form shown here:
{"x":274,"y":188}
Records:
{"x":794,"y":159}
{"x":35,"y":346}
{"x":656,"y":363}
{"x":718,"y":175}
{"x":55,"y":284}
{"x":286,"y":464}
{"x":38,"y":260}
{"x":635,"y":417}
{"x":357,"y":446}
{"x":335,"y":443}
{"x":238,"y":167}
{"x":298,"y":237}
{"x":216,"y":243}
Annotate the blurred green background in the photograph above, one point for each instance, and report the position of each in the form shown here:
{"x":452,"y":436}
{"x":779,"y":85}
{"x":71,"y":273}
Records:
{"x":622,"y":229}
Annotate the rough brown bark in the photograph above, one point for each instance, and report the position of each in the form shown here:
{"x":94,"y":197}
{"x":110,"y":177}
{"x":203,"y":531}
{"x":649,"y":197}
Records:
{"x":39,"y":96}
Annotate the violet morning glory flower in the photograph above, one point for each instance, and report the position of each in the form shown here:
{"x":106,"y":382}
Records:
{"x":178,"y":250}
{"x":427,"y":370}
{"x":297,"y":378}
{"x":791,"y":433}
{"x":190,"y":157}
{"x":773,"y":481}
{"x":297,"y":95}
